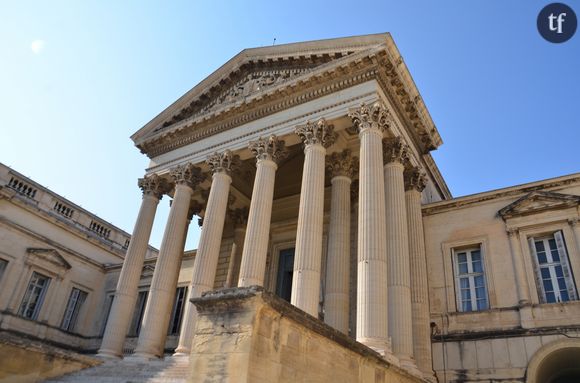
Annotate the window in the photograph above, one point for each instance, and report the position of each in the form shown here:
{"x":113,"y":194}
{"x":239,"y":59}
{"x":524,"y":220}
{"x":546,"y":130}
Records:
{"x":138,"y":314}
{"x":285,"y":271}
{"x":177,"y":312}
{"x":75,"y":302}
{"x":469,"y":280}
{"x":34,"y":296}
{"x":3,"y":265}
{"x":553,"y":273}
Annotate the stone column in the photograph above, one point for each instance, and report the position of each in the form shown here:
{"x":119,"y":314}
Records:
{"x":308,"y":256}
{"x":123,"y":305}
{"x":372,"y":320}
{"x":519,"y":268}
{"x":415,"y":182}
{"x":268,"y":152}
{"x":341,"y":167}
{"x":399,"y":285}
{"x":151,"y":341}
{"x":208,"y":250}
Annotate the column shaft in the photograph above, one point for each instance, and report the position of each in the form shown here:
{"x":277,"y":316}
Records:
{"x":519,"y":268}
{"x":127,"y":286}
{"x":372,"y":320}
{"x":419,"y":283}
{"x":399,"y":285}
{"x":206,"y":259}
{"x":255,"y":249}
{"x":308,"y":255}
{"x":336,"y":300}
{"x":151,"y":341}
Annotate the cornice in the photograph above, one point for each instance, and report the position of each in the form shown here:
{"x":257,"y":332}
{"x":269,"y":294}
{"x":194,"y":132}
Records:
{"x":518,"y":190}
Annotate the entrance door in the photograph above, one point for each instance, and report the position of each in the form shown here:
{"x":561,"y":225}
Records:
{"x":285,"y":269}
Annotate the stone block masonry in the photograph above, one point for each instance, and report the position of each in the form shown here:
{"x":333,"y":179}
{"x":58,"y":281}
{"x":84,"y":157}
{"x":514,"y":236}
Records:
{"x":249,"y":335}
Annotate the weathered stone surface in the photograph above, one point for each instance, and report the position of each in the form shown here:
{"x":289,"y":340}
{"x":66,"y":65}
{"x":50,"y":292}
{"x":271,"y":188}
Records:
{"x":249,"y":335}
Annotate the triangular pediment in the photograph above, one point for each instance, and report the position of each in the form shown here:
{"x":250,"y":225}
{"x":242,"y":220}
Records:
{"x":539,"y":201}
{"x":49,"y":255}
{"x":253,"y":72}
{"x":259,"y":82}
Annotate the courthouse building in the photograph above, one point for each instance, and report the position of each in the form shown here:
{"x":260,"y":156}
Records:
{"x":310,"y":167}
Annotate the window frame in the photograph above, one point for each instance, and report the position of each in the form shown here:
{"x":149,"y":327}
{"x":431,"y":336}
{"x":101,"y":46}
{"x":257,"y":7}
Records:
{"x":551,"y":265}
{"x":25,"y":303}
{"x":74,"y":305}
{"x":470,"y":276}
{"x":178,"y":310}
{"x":3,"y":267}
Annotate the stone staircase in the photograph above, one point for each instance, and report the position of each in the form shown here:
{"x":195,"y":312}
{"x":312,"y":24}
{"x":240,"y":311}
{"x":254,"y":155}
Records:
{"x":168,"y":370}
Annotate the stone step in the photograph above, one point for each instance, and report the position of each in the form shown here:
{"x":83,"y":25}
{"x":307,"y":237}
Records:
{"x":169,"y":370}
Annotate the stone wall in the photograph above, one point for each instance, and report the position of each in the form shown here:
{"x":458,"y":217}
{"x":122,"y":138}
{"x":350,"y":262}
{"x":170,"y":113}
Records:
{"x":23,"y":360}
{"x":248,"y":335}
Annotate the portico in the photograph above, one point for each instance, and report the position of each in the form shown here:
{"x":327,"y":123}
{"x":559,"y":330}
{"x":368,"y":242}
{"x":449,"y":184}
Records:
{"x":268,"y":148}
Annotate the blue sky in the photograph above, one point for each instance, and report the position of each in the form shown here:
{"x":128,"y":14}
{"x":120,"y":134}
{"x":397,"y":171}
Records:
{"x":78,"y":78}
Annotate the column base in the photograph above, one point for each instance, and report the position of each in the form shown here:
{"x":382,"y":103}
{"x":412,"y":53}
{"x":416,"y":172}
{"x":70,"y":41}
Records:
{"x":381,"y":346}
{"x":108,"y":354}
{"x":409,"y":365}
{"x":181,"y":352}
{"x":142,"y":357}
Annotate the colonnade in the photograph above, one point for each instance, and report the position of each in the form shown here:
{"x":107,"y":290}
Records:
{"x":392,"y":306}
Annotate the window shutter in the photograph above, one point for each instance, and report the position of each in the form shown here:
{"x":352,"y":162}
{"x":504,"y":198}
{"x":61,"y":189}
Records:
{"x":565,"y":265}
{"x":539,"y":285}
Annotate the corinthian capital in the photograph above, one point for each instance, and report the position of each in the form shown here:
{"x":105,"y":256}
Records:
{"x":187,"y":175}
{"x":153,"y":185}
{"x":376,"y":117}
{"x":395,"y":150}
{"x":318,"y":132}
{"x":222,"y":162}
{"x":342,"y":164}
{"x":270,"y":148}
{"x":415,"y":179}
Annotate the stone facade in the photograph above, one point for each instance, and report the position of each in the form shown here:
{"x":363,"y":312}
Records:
{"x":309,"y":165}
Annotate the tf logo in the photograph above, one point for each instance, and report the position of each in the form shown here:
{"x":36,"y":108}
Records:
{"x":557,"y":22}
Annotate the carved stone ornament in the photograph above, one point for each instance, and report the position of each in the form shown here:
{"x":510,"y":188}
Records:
{"x":395,"y":150}
{"x":187,"y":174}
{"x":342,"y":164}
{"x":415,"y":179}
{"x":153,"y":185}
{"x":222,"y":162}
{"x":270,"y":148}
{"x":318,"y":132}
{"x":376,"y":116}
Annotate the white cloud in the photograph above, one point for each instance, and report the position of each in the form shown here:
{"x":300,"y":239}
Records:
{"x":37,"y":46}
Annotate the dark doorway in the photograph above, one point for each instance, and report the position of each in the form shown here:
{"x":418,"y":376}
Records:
{"x":285,"y":270}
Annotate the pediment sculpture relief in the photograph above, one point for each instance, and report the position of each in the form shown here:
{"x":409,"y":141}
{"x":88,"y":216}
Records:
{"x":252,"y":83}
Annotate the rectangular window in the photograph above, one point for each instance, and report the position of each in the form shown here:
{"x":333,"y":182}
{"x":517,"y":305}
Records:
{"x":177,"y":312}
{"x":470,"y":280}
{"x":553,"y":273}
{"x":34,"y":296}
{"x":285,"y":274}
{"x":138,"y":314}
{"x":75,"y":302}
{"x":3,"y":265}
